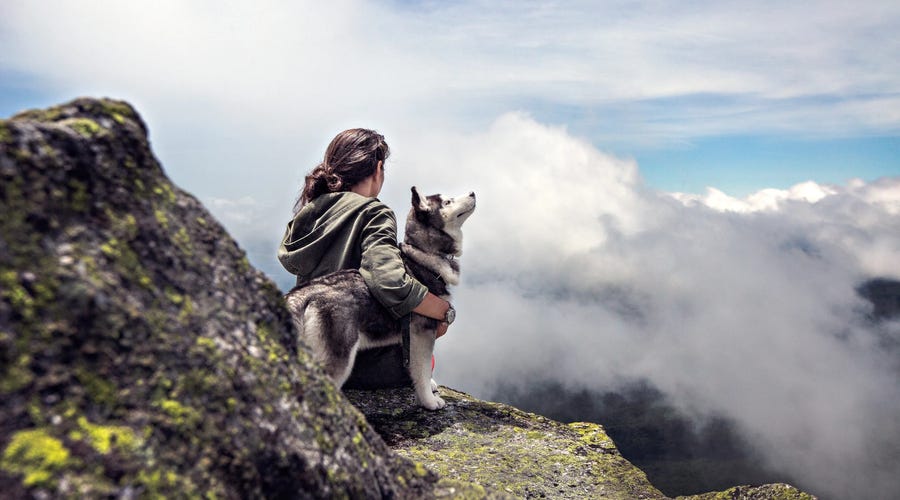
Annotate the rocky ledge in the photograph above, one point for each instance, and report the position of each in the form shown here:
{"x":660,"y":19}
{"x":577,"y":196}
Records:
{"x":506,"y":450}
{"x":142,"y":356}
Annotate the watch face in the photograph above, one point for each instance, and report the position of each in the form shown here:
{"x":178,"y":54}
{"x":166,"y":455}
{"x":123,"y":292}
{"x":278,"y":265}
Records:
{"x":450,"y":316}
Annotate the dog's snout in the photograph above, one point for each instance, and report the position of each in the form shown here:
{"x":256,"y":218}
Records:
{"x":472,"y":194}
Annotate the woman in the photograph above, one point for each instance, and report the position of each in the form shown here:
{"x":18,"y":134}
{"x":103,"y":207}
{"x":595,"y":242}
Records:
{"x":339,"y":223}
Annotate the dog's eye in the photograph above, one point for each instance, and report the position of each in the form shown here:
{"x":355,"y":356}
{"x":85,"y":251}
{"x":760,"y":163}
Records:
{"x":446,"y":202}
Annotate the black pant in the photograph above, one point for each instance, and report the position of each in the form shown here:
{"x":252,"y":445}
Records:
{"x":379,"y":368}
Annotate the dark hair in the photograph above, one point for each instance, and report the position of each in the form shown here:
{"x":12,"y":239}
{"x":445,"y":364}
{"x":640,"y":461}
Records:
{"x":351,"y":156}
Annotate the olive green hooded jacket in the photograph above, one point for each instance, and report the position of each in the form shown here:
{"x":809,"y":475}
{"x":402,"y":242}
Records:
{"x":347,"y":231}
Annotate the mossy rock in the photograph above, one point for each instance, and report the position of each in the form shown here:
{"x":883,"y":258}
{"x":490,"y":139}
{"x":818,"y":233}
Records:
{"x":777,"y":491}
{"x":508,"y":452}
{"x":140,"y":355}
{"x":504,"y":449}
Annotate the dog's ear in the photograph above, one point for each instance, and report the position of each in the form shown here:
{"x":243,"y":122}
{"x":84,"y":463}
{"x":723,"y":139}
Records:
{"x":417,"y":200}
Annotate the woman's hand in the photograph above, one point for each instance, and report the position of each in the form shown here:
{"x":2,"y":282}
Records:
{"x":441,"y":329}
{"x":434,"y":307}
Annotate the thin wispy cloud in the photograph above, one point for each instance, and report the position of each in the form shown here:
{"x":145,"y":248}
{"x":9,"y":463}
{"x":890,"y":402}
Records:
{"x":762,"y":64}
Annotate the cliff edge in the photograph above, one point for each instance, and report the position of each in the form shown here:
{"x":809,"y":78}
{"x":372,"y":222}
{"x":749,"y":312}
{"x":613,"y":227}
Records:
{"x":141,"y":355}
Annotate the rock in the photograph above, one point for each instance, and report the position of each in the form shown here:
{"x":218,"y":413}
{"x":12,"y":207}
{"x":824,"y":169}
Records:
{"x":141,"y":354}
{"x":777,"y":491}
{"x":504,"y":449}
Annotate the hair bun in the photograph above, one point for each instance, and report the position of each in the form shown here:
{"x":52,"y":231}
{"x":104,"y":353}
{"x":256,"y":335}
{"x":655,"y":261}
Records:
{"x":334,"y":181}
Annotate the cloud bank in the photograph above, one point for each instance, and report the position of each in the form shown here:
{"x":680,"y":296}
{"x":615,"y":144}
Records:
{"x":576,"y":272}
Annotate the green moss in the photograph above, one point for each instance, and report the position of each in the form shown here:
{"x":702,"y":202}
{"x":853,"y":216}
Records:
{"x":36,"y":455}
{"x":124,"y":227}
{"x":35,"y":413}
{"x":243,"y":265}
{"x":180,"y":414}
{"x":127,"y":260}
{"x":111,"y":248}
{"x":161,"y":483}
{"x":18,"y":374}
{"x":79,"y":196}
{"x":21,"y":154}
{"x":83,"y":126}
{"x":460,"y":490}
{"x":165,"y":191}
{"x":182,"y":240}
{"x":593,"y":435}
{"x":187,"y":309}
{"x":99,"y":389}
{"x":21,"y":301}
{"x":40,"y":115}
{"x":776,"y":491}
{"x":273,"y":349}
{"x":206,"y":343}
{"x":119,"y":111}
{"x":162,"y":218}
{"x":6,"y":136}
{"x":104,"y":437}
{"x":173,"y":296}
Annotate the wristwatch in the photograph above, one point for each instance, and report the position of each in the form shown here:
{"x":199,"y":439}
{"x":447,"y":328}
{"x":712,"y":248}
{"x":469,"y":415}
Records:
{"x":450,"y":315}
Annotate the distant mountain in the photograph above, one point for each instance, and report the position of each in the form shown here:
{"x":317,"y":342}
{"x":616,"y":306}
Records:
{"x":884,"y":294}
{"x":679,"y":455}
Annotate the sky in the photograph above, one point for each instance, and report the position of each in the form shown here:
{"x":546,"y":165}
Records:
{"x":681,"y":192}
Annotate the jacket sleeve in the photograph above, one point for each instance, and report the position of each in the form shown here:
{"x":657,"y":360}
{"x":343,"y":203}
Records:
{"x":382,"y":267}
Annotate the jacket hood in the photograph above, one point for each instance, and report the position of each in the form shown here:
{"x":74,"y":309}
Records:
{"x":313,"y":231}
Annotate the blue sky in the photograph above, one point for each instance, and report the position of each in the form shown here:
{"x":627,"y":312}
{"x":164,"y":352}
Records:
{"x":740,"y":165}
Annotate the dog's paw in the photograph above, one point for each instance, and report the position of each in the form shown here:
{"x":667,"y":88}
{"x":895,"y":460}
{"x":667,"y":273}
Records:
{"x":434,"y":386}
{"x":435,"y":403}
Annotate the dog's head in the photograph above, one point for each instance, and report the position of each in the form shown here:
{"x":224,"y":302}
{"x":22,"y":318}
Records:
{"x":437,"y":217}
{"x":441,"y":211}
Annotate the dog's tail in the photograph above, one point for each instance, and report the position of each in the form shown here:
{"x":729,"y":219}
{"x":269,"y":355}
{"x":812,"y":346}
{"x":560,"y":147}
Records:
{"x":297,"y":303}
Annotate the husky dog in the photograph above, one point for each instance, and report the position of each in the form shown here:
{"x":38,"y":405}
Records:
{"x":337,"y":316}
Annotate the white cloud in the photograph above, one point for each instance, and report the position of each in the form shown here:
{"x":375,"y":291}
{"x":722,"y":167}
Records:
{"x":764,"y":200}
{"x":574,"y":271}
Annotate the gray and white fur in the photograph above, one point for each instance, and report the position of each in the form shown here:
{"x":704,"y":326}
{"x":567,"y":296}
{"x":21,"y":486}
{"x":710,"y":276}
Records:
{"x":337,"y":316}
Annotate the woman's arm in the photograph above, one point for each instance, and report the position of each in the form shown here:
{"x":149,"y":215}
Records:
{"x":434,"y":307}
{"x":383,"y":270}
